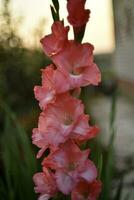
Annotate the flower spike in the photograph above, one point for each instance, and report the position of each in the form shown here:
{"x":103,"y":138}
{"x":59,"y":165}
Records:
{"x":63,"y":126}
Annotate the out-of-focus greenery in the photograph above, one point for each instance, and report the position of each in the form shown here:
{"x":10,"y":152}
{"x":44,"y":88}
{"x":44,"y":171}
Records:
{"x":19,"y":67}
{"x":18,"y":162}
{"x":19,"y":72}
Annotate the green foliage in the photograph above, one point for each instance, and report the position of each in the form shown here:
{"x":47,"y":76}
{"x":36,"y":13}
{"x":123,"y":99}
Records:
{"x":55,"y":10}
{"x":107,"y":180}
{"x":54,"y":14}
{"x":56,"y":5}
{"x":19,"y":67}
{"x":18,"y":160}
{"x":119,"y":190}
{"x":100,"y":166}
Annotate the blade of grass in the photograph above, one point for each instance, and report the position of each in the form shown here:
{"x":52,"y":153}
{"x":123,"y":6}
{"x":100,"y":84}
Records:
{"x":22,"y":137}
{"x":55,"y":15}
{"x":119,"y":190}
{"x":18,"y":158}
{"x":108,"y":173}
{"x":56,"y":5}
{"x":100,"y":166}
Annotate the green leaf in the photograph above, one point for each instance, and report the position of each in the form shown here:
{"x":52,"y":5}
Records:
{"x":100,"y":165}
{"x":18,"y":159}
{"x":109,"y":169}
{"x":55,"y":15}
{"x":119,"y":190}
{"x":56,"y":5}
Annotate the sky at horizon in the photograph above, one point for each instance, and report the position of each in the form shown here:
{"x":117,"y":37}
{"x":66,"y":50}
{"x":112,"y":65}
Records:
{"x":99,"y":31}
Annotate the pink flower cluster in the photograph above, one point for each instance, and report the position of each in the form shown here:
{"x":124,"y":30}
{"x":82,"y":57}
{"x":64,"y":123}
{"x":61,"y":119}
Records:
{"x":63,"y":126}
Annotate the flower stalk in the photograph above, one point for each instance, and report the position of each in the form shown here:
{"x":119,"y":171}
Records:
{"x":63,"y":126}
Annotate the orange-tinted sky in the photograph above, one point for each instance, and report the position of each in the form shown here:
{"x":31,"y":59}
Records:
{"x":99,"y":30}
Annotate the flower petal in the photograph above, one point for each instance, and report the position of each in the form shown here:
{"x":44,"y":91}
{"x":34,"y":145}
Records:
{"x":64,"y":182}
{"x":45,"y":184}
{"x":54,"y":42}
{"x":44,"y":95}
{"x":88,"y":171}
{"x":74,"y":56}
{"x":86,"y":191}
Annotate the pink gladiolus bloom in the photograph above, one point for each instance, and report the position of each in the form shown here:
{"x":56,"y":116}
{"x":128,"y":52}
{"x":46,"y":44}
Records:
{"x":45,"y":184}
{"x":59,"y":123}
{"x":82,"y":131}
{"x":56,"y":123}
{"x":55,"y":79}
{"x":44,"y":95}
{"x":76,"y":61}
{"x":53,"y":82}
{"x":71,"y":165}
{"x":86,"y":191}
{"x":78,"y":15}
{"x":74,"y":56}
{"x":54,"y":42}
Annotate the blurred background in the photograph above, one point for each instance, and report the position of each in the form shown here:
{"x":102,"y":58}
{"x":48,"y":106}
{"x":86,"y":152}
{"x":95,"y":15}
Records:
{"x":110,"y":105}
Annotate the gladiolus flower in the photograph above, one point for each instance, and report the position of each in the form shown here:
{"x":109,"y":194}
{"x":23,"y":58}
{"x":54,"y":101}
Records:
{"x":71,"y":165}
{"x":86,"y":191}
{"x":83,"y":131}
{"x":76,"y":61}
{"x":57,"y":81}
{"x":53,"y":82}
{"x":44,"y":95}
{"x":54,"y":42}
{"x":45,"y":184}
{"x":59,"y":123}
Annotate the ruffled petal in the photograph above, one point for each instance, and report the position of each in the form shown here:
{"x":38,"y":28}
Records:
{"x":45,"y":184}
{"x":44,"y":95}
{"x":82,"y":130}
{"x":64,"y":182}
{"x":87,"y":171}
{"x":55,"y":42}
{"x":74,"y":56}
{"x":55,"y":79}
